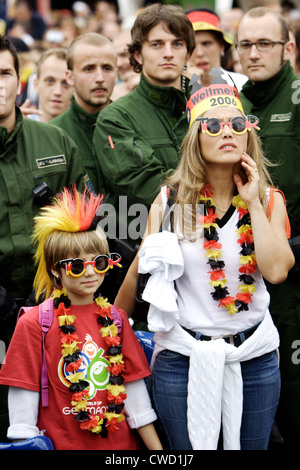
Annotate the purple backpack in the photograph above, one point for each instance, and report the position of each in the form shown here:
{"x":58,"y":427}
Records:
{"x":45,"y":320}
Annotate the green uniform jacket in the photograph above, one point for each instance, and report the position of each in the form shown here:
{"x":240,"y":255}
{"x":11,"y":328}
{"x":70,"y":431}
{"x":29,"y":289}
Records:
{"x":276,"y":104}
{"x":137,"y":139}
{"x":31,"y":154}
{"x":79,"y":125}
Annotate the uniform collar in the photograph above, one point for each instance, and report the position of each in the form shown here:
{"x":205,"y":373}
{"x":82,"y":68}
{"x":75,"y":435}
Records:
{"x":84,"y":116}
{"x":260,"y":93}
{"x":169,"y":98}
{"x":7,"y":138}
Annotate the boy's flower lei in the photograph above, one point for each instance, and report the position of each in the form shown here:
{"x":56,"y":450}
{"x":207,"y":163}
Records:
{"x":213,"y":253}
{"x":116,"y":393}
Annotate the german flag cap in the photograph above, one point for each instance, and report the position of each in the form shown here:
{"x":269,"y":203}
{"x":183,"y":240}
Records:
{"x":207,"y":20}
{"x":221,"y":92}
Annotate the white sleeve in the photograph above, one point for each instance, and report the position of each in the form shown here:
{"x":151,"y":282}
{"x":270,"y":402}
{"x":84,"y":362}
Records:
{"x":23,"y":407}
{"x":138,"y":406}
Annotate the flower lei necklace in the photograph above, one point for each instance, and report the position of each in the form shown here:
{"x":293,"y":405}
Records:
{"x":116,"y":393}
{"x":213,"y":253}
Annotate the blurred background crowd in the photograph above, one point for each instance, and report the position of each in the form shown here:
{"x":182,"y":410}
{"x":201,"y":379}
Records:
{"x":38,"y":25}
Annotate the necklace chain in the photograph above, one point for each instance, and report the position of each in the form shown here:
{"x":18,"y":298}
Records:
{"x":219,"y":208}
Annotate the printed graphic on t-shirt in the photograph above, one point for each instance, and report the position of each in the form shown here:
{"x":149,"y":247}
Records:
{"x":93,"y":366}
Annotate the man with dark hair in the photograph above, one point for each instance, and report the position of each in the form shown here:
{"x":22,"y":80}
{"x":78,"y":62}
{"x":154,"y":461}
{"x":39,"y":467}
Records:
{"x":36,"y":161}
{"x":272,"y":94}
{"x":137,"y":138}
{"x":8,"y":45}
{"x":151,"y":17}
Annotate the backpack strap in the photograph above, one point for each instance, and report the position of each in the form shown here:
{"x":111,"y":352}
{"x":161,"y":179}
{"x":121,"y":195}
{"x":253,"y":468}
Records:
{"x":22,"y":311}
{"x":271,"y":206}
{"x":116,"y":318}
{"x":45,"y":320}
{"x":270,"y":202}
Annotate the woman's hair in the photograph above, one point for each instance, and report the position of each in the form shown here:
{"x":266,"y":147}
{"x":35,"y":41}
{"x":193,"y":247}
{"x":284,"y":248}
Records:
{"x":190,"y":176}
{"x":63,"y":230}
{"x":172,"y":16}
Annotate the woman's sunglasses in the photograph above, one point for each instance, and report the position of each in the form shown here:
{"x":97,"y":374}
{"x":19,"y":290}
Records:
{"x":76,"y":267}
{"x":238,"y":124}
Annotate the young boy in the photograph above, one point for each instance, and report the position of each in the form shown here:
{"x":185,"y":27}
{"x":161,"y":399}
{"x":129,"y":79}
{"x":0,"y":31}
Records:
{"x":95,"y":364}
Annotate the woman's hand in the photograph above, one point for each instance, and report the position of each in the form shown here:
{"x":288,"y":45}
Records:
{"x":273,"y":254}
{"x":248,"y":190}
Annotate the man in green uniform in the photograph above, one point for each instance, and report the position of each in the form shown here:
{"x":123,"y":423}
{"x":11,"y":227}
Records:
{"x":92,"y":70}
{"x":273,"y":95}
{"x":36,"y":161}
{"x":137,"y":138}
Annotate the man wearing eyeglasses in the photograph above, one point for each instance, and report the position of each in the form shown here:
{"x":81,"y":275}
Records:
{"x":272,"y":93}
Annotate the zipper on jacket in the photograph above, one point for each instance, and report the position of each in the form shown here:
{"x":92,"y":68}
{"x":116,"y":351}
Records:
{"x":139,"y":150}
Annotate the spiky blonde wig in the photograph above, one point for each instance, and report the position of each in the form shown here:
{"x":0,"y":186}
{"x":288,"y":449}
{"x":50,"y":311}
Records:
{"x":59,"y":226}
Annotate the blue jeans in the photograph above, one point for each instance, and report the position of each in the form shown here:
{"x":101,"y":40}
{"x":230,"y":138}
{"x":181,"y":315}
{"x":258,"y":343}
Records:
{"x":261,"y":390}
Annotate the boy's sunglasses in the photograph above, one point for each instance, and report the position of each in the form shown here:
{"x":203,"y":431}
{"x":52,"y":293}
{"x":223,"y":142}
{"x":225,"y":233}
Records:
{"x":238,"y":124}
{"x":76,"y":267}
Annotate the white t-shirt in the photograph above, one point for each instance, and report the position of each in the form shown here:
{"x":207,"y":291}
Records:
{"x":197,"y":309}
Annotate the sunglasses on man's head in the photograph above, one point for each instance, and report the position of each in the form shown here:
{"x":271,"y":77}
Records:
{"x":238,"y":124}
{"x":76,"y":267}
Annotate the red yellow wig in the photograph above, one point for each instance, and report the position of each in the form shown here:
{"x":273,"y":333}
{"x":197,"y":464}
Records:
{"x":70,"y":211}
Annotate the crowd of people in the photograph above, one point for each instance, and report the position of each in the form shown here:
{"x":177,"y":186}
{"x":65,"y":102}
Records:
{"x":162,"y":108}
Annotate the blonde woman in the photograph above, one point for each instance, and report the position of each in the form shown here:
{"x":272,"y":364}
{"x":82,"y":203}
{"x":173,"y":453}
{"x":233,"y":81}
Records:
{"x":215,"y":354}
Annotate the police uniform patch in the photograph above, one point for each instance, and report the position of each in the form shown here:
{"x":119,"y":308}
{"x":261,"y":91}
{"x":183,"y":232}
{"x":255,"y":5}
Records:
{"x":51,"y":161}
{"x":281,"y":117}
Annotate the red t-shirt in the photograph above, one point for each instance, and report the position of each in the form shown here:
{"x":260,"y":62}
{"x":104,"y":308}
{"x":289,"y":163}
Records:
{"x":23,"y":364}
